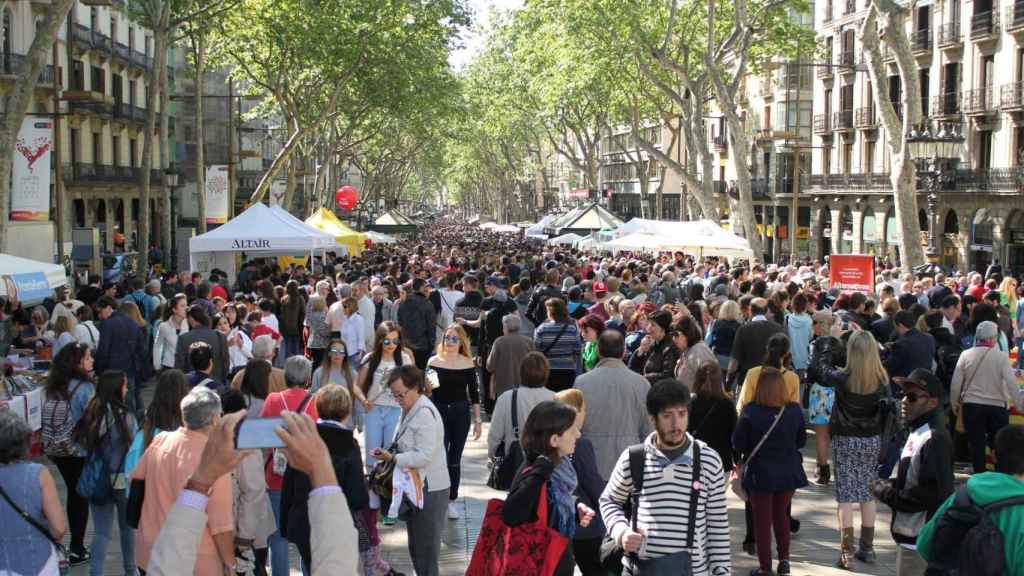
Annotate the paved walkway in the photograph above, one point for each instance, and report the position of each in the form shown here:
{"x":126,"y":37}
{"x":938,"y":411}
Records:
{"x":814,"y":549}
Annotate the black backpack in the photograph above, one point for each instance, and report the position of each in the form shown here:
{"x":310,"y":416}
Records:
{"x":967,"y":540}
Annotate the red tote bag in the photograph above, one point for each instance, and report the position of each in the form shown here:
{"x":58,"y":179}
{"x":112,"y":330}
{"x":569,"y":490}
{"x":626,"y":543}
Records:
{"x":531,"y":549}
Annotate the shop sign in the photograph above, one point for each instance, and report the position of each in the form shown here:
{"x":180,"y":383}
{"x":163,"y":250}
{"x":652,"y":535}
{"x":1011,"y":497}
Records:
{"x":852,"y":273}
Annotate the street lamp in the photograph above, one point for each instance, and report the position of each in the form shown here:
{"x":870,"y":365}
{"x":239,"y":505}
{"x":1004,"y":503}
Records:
{"x":936,"y":153}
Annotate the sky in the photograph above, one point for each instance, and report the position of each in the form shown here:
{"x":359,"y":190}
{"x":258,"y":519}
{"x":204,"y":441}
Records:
{"x":473,"y":39}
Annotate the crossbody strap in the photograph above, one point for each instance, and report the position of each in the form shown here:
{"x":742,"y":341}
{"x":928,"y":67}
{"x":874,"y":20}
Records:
{"x":766,"y":434}
{"x":694,"y":495}
{"x":967,"y":383}
{"x":28,"y":518}
{"x":555,"y":341}
{"x":515,"y":412}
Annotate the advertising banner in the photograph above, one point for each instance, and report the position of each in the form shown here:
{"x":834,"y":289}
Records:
{"x":217,"y":194}
{"x":278,"y":188}
{"x":852,"y":273}
{"x":30,"y":173}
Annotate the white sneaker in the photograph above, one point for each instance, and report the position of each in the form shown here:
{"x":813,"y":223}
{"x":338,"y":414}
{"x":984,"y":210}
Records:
{"x":453,"y":511}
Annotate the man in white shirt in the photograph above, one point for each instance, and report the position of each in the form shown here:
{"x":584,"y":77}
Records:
{"x":366,"y":311}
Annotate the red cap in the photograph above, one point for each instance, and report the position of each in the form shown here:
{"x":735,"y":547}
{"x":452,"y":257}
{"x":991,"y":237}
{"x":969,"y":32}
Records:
{"x":599,"y":287}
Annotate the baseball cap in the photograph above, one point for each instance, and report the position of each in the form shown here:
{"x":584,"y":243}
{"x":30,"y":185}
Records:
{"x":987,"y":330}
{"x":923,"y":379}
{"x":600,"y":288}
{"x":494,"y":281}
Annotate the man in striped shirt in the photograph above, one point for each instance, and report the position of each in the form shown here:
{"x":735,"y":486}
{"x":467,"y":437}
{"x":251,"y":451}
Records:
{"x":663,"y":516}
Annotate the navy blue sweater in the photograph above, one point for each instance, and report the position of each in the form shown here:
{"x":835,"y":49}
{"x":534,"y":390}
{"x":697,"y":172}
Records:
{"x":777,"y":465}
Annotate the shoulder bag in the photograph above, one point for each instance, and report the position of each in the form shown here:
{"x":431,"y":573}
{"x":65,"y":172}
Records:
{"x":736,"y":476}
{"x":959,"y":426}
{"x":507,"y":459}
{"x":548,"y":348}
{"x":678,"y":563}
{"x":62,"y":552}
{"x":95,"y":484}
{"x":381,"y":477}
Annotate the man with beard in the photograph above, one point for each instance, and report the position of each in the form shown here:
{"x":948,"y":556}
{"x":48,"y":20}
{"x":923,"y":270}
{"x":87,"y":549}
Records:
{"x":678,"y":472}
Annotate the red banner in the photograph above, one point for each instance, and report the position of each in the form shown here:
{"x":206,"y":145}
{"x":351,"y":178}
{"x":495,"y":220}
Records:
{"x":852,"y":273}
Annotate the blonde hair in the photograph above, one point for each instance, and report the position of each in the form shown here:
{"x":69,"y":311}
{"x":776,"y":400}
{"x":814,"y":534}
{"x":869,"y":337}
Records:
{"x":463,"y":341}
{"x":130,"y":310}
{"x":317,"y":303}
{"x":1009,"y":291}
{"x":866,"y":373}
{"x":729,"y":310}
{"x":333,"y":402}
{"x":63,"y":323}
{"x":573,"y":397}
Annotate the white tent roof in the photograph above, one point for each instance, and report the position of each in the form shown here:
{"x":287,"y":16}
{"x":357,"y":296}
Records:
{"x":262,"y":230}
{"x":537,"y":230}
{"x":380,"y":238}
{"x":294,"y":221}
{"x":700,"y":238}
{"x":590,"y":217}
{"x":565,"y":239}
{"x":32,"y":280}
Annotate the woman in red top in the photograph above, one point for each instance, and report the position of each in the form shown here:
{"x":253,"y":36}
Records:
{"x":296,"y":398}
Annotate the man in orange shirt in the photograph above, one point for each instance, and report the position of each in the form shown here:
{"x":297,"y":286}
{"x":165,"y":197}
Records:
{"x":166,"y":466}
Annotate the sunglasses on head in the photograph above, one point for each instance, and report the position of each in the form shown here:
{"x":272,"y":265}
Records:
{"x":390,"y":341}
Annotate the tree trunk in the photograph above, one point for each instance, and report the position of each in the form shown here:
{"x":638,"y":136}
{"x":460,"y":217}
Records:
{"x":902,"y":173}
{"x":199,"y":55}
{"x":167,"y":237}
{"x":18,"y":101}
{"x":160,"y":34}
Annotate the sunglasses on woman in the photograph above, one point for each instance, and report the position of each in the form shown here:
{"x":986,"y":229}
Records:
{"x":452,"y":339}
{"x":337,"y":351}
{"x":390,"y":341}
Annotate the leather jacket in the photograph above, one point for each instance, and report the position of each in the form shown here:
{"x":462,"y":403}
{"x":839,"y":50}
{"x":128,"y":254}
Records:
{"x":852,"y":414}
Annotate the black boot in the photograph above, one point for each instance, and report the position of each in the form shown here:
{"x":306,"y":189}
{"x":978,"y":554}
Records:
{"x":824,"y":475}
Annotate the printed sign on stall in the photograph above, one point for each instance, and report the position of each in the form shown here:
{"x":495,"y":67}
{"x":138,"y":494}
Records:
{"x":217,"y":194}
{"x":30,"y":173}
{"x":852,"y":272}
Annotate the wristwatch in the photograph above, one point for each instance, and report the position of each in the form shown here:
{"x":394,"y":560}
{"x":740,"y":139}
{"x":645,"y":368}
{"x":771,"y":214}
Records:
{"x":196,"y":486}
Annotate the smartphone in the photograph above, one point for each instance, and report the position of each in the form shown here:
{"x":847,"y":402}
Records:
{"x":258,"y":433}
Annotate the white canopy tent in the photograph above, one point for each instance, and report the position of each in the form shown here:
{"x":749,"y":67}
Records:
{"x":569,"y":239}
{"x":699,"y":238}
{"x":380,"y":238}
{"x":259,"y":231}
{"x":29,"y":280}
{"x":537,"y":230}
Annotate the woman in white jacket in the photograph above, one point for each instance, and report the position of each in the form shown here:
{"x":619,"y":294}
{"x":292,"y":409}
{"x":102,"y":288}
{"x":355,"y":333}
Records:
{"x":174,"y":325}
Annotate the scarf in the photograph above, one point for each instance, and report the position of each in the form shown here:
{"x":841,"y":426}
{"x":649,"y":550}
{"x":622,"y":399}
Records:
{"x":561,"y":503}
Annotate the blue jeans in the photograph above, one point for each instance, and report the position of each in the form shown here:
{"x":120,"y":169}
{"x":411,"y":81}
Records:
{"x":278,"y":545}
{"x":379,"y":425}
{"x":103,"y":523}
{"x":1020,"y":353}
{"x":134,"y":397}
{"x":455,"y":416}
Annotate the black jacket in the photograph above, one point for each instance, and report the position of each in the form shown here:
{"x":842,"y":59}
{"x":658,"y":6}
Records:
{"x":218,"y":343}
{"x":418,"y":321}
{"x":659,"y":363}
{"x":853,"y":414}
{"x":589,"y":489}
{"x":912,"y":350}
{"x":348,"y":467}
{"x":924,"y":478}
{"x":713,"y":421}
{"x":535,"y":309}
{"x":883,"y":329}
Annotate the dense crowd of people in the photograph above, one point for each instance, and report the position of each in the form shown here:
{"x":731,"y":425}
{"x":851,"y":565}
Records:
{"x":636,"y":390}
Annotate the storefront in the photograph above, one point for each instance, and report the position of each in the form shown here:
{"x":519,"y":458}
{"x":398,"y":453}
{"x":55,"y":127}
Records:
{"x":982,"y":238}
{"x":871,"y":241}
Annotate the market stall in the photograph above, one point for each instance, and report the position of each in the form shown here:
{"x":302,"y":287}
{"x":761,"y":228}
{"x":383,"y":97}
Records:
{"x":325,"y":221}
{"x":29,"y":281}
{"x":380,"y":238}
{"x":565,"y":240}
{"x":259,"y":231}
{"x":393,"y":222}
{"x":583,"y":220}
{"x":698,"y":238}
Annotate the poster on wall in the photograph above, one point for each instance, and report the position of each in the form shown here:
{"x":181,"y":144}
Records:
{"x":852,"y":273}
{"x":30,"y":174}
{"x":217,"y":194}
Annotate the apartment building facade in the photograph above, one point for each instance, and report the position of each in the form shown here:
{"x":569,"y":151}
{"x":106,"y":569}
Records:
{"x":970,"y":58}
{"x":98,"y":91}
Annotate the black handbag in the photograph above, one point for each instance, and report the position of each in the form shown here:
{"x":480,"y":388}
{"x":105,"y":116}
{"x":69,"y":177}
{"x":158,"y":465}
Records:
{"x":383,"y":472}
{"x":507,"y":461}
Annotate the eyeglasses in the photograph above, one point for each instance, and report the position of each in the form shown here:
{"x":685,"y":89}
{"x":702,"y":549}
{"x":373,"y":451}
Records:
{"x":452,"y":339}
{"x":391,"y":341}
{"x":914,"y":397}
{"x":400,"y":395}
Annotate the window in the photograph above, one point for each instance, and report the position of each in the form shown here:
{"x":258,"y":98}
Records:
{"x":77,"y":75}
{"x":98,"y":80}
{"x":131,"y":92}
{"x":116,"y":146}
{"x":76,"y":154}
{"x":826,"y":160}
{"x":925,"y":81}
{"x":97,"y":148}
{"x":868,"y":162}
{"x":847,"y":157}
{"x":984,"y":156}
{"x":8,"y":32}
{"x":132,"y":158}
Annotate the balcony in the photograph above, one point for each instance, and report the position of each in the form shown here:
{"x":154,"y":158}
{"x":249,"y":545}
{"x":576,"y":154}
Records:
{"x":950,"y":35}
{"x":946,"y":105}
{"x":826,"y":18}
{"x":92,"y":108}
{"x":1012,"y":96}
{"x":865,"y":117}
{"x":821,"y":125}
{"x":1015,"y":17}
{"x":849,"y":183}
{"x":979,"y":102}
{"x":847,"y":61}
{"x":140,"y":61}
{"x":990,"y":180}
{"x":985,"y":26}
{"x":100,"y":42}
{"x":823,"y":70}
{"x":720,"y":142}
{"x":849,"y":7}
{"x":12,"y":64}
{"x":921,"y":41}
{"x":122,"y":54}
{"x":87,"y":172}
{"x":81,"y":37}
{"x":842,"y":120}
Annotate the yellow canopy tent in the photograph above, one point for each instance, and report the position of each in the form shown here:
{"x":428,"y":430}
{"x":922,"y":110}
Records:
{"x":325,"y":220}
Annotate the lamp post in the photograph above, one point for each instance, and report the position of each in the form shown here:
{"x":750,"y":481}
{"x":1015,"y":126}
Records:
{"x":936,"y":153}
